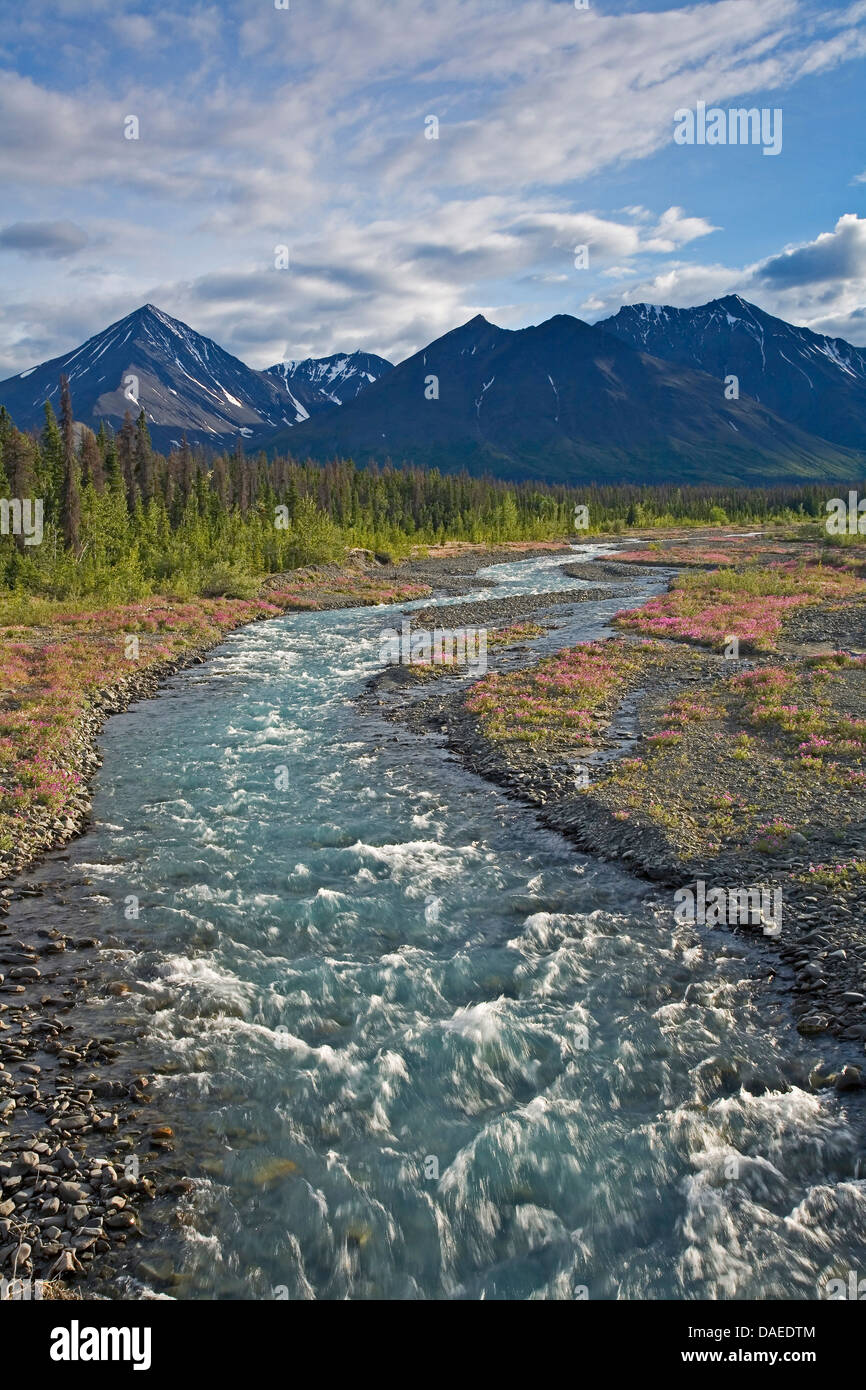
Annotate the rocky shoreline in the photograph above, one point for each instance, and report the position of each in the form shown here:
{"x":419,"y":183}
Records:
{"x":76,"y":1169}
{"x":820,"y":953}
{"x":495,"y":612}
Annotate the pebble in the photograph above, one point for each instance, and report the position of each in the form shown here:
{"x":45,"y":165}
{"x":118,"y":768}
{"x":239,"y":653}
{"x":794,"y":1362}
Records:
{"x":120,"y":1219}
{"x":71,"y":1192}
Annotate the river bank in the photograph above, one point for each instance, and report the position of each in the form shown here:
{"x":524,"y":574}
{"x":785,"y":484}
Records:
{"x":738,"y":769}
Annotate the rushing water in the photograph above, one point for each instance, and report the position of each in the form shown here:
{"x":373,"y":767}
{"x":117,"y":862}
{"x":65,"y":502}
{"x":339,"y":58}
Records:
{"x":418,"y":1047}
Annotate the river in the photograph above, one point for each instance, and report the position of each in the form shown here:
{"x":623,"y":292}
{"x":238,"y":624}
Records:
{"x":412,"y":1044}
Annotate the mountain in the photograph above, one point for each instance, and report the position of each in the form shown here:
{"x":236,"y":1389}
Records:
{"x":185,"y":383}
{"x":816,"y":382}
{"x":639,"y":397}
{"x":563,"y":401}
{"x":317,"y":383}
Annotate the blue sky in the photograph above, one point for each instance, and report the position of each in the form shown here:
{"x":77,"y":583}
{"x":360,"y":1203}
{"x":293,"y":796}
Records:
{"x":304,"y":127}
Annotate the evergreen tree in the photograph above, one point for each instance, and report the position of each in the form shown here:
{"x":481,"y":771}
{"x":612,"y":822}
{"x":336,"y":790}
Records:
{"x":53,"y":467}
{"x":92,"y":470}
{"x":143,"y":458}
{"x":126,"y":460}
{"x":20,"y":461}
{"x":71,"y":494}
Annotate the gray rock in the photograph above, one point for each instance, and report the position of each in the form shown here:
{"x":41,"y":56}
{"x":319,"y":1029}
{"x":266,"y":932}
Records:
{"x":72,"y":1192}
{"x":120,"y":1219}
{"x":66,"y":1263}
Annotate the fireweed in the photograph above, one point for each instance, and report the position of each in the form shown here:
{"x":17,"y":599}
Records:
{"x":795,"y":706}
{"x":836,"y":876}
{"x":560,"y":698}
{"x":737,"y":550}
{"x":706,"y":608}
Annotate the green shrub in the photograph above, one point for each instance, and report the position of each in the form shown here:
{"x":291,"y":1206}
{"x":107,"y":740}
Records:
{"x":228,"y":581}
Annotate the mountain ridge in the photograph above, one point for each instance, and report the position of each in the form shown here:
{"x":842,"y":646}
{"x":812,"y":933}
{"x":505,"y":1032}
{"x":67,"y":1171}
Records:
{"x":563,"y":401}
{"x":816,"y":382}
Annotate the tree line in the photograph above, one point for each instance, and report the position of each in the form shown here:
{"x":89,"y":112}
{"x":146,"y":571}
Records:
{"x":122,"y":520}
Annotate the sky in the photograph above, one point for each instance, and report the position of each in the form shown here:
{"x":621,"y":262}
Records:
{"x":298,"y":131}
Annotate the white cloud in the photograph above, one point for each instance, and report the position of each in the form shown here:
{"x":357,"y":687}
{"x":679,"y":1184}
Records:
{"x":306,"y":127}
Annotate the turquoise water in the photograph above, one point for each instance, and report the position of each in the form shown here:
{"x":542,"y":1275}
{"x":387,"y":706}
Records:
{"x":418,"y":1046}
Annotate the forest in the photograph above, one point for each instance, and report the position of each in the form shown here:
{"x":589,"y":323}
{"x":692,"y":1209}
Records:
{"x":121,"y":520}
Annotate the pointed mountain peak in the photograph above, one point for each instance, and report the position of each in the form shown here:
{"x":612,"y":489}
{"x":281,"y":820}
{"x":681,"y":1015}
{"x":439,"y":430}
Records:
{"x":477,"y":323}
{"x":474,"y":330}
{"x":736,"y":301}
{"x":153,"y":311}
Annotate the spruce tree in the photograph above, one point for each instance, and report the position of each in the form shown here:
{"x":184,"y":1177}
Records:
{"x":126,"y":460}
{"x":53,"y":468}
{"x":71,"y":493}
{"x":92,"y":470}
{"x":143,"y":458}
{"x":20,"y":464}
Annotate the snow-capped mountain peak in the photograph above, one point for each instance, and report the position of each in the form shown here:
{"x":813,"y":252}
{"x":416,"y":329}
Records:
{"x":183,"y":381}
{"x":316,"y":383}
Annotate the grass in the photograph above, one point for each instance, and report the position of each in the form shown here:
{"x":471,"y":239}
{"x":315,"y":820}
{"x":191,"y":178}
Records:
{"x":517,"y":632}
